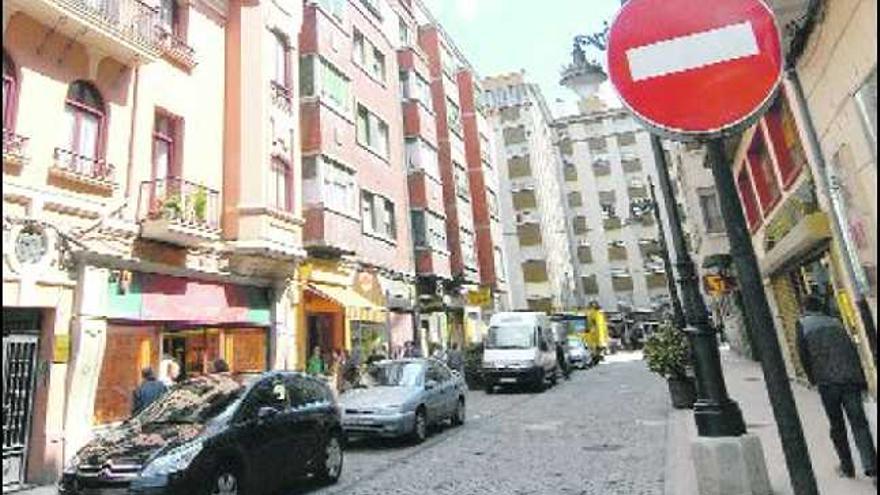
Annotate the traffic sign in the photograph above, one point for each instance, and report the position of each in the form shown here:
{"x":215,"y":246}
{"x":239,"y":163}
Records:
{"x":692,"y":68}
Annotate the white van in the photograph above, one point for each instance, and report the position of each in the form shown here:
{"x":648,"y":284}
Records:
{"x":519,"y":350}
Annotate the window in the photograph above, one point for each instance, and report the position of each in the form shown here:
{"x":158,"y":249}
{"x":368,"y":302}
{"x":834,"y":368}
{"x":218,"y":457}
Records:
{"x":763,"y":172}
{"x":461,"y":181}
{"x":368,"y":56}
{"x":372,"y":132}
{"x":84,"y":113}
{"x":514,"y":135}
{"x":519,"y":166}
{"x":416,"y":87}
{"x":575,"y":200}
{"x":264,"y":394}
{"x":866,"y":101}
{"x":711,"y":211}
{"x":749,"y":202}
{"x":325,"y":80}
{"x":580,"y":225}
{"x":468,"y":248}
{"x":626,"y":139}
{"x":447,"y":61}
{"x":421,"y":156}
{"x":373,"y":7}
{"x":10,"y":90}
{"x":598,"y":145}
{"x":378,"y":215}
{"x":281,"y":65}
{"x":165,"y":146}
{"x":281,"y":183}
{"x":419,"y":228}
{"x":339,"y":188}
{"x":405,"y":35}
{"x":570,"y":172}
{"x":783,"y":133}
{"x":169,"y":16}
{"x":334,"y":7}
{"x":453,"y":116}
{"x":492,"y":202}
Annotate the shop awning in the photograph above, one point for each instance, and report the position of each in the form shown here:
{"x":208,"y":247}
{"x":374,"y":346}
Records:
{"x":811,"y":232}
{"x":357,"y":307}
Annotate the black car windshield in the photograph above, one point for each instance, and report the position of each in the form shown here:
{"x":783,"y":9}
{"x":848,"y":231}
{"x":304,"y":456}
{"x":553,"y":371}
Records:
{"x":511,"y":337}
{"x":394,"y":374}
{"x":194,"y":401}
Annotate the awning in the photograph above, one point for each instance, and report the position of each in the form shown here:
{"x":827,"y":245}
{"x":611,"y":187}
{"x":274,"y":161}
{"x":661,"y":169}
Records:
{"x":357,"y":307}
{"x":811,"y":232}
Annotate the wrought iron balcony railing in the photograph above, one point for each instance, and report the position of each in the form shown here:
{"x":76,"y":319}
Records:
{"x":14,"y":147}
{"x":181,"y":201}
{"x":85,"y":167}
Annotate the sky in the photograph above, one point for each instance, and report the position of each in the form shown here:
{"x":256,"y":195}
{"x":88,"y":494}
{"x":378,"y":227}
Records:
{"x":501,"y":36}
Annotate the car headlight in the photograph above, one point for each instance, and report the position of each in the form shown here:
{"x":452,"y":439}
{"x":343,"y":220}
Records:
{"x":72,"y":465}
{"x":176,"y":459}
{"x":389,"y":410}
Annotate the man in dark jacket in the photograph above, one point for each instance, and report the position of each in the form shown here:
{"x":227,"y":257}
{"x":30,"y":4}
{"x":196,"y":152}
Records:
{"x":455,"y":359}
{"x":148,"y":391}
{"x":831,"y":362}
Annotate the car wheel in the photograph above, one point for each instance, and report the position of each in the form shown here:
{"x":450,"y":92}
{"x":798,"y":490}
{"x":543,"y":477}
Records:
{"x":332,"y":458}
{"x":541,"y":382}
{"x":420,"y":428}
{"x":226,"y":481}
{"x":460,"y":413}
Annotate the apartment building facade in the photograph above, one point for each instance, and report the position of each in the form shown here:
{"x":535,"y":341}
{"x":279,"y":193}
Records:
{"x":138,"y":223}
{"x":805,"y":175}
{"x":607,"y":162}
{"x":536,"y":231}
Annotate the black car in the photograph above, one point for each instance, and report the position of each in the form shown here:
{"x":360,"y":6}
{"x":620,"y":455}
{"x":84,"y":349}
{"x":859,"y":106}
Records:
{"x":214,"y":435}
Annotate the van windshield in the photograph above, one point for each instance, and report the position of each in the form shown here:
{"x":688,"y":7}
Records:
{"x":511,"y":337}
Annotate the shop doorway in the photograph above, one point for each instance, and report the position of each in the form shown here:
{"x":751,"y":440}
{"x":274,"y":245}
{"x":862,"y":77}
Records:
{"x":21,"y":343}
{"x":195,"y":349}
{"x":320,"y":333}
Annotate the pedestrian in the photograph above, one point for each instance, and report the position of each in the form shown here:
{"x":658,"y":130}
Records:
{"x":220,"y":366}
{"x":409,"y":350}
{"x":315,"y":365}
{"x":169,"y":372}
{"x":831,"y":362}
{"x":562,"y":360}
{"x":455,"y":359}
{"x":149,"y":390}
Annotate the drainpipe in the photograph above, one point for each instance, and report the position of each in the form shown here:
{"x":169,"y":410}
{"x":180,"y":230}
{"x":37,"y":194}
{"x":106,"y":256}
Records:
{"x":132,"y":129}
{"x":827,"y":179}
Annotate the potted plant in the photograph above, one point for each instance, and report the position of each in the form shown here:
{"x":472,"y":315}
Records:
{"x":171,"y":207}
{"x":667,"y":353}
{"x":200,"y":204}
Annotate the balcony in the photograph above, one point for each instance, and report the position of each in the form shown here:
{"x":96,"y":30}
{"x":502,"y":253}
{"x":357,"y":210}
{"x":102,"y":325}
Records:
{"x":179,"y":212}
{"x":330,"y":233}
{"x":176,"y":49}
{"x":82,"y":170}
{"x":14,"y":150}
{"x":281,"y":97}
{"x":122,"y":29}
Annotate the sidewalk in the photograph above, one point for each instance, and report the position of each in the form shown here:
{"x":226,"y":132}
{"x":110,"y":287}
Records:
{"x":745,"y":383}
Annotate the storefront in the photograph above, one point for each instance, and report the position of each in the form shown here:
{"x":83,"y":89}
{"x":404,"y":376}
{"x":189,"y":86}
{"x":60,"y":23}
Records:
{"x":156,"y":318}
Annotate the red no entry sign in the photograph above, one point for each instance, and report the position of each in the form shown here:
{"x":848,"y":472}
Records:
{"x":695,"y":67}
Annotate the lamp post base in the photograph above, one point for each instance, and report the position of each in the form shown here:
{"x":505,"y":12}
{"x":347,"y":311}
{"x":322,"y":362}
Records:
{"x":716,"y":419}
{"x":730,"y":466}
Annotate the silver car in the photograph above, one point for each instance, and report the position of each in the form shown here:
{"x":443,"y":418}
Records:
{"x":577,"y":353}
{"x":403,"y":398}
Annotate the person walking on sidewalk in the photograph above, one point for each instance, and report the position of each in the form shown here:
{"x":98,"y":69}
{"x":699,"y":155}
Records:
{"x":831,"y":362}
{"x":148,"y":391}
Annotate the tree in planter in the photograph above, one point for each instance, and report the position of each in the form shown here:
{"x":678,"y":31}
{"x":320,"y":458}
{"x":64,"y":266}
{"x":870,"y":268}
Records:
{"x":667,"y":353}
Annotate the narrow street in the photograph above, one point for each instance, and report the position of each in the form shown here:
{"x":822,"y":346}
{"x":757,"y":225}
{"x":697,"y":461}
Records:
{"x":601,"y":433}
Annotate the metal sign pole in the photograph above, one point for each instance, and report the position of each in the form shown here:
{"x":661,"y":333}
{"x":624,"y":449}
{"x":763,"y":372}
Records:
{"x":677,"y":312}
{"x":797,"y":455}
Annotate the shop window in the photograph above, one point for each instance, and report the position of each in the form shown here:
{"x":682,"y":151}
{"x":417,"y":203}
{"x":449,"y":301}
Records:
{"x":128,"y":350}
{"x":763,"y":172}
{"x":783,"y":132}
{"x":85,"y":115}
{"x":747,"y":196}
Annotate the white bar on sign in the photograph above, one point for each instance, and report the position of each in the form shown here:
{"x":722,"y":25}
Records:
{"x":692,"y":51}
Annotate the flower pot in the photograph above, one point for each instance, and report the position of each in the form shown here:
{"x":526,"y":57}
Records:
{"x":683,"y":392}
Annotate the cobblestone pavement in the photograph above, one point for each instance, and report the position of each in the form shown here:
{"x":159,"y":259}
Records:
{"x":602,"y":433}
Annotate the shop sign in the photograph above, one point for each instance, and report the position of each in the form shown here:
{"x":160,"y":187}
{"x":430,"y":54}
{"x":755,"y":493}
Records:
{"x":481,"y":297}
{"x":367,"y":285}
{"x":717,"y":285}
{"x":800,"y":205}
{"x":61,"y":348}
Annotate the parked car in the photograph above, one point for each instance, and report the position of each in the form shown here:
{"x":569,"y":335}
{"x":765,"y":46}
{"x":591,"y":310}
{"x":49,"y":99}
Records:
{"x":404,"y":397}
{"x":520,"y":349}
{"x":216,"y":435}
{"x":576,"y":352}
